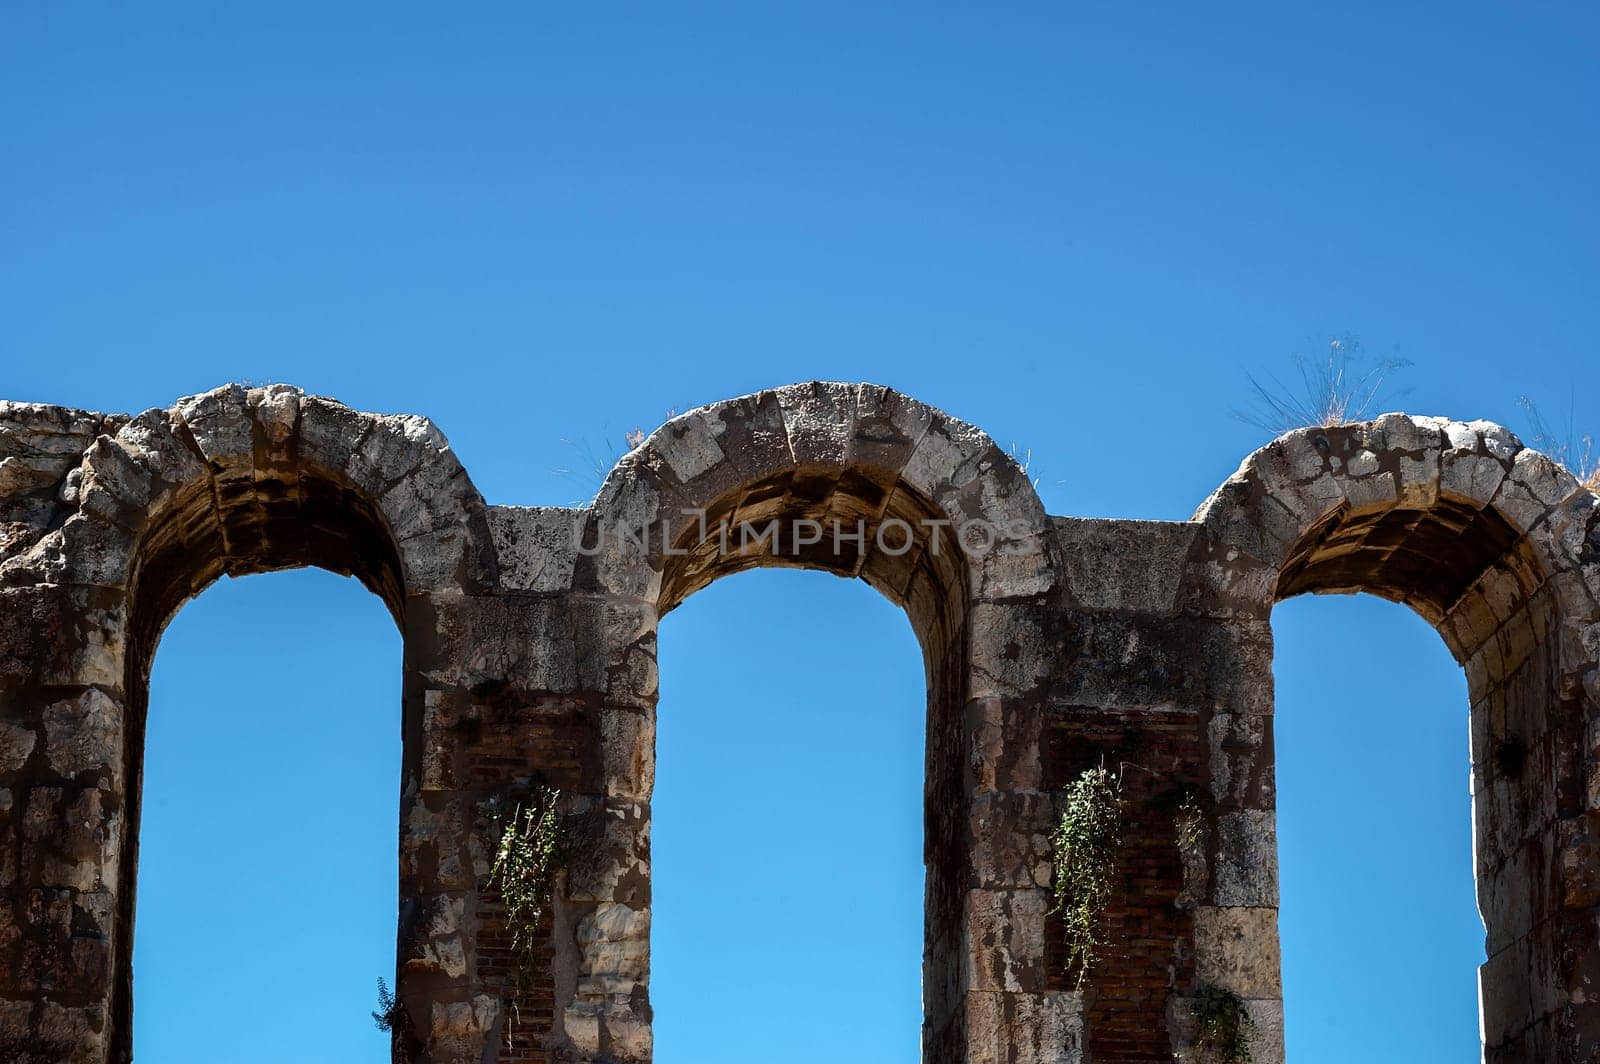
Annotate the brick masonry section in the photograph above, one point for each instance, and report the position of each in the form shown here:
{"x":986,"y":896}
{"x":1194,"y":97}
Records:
{"x":1052,"y":645}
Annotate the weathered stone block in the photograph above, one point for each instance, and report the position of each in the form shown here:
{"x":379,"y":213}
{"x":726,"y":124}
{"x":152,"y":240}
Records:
{"x":61,"y":637}
{"x":536,"y":546}
{"x":1016,"y":1028}
{"x":1005,"y":940}
{"x":1011,"y":840}
{"x":1237,"y":949}
{"x":85,"y":734}
{"x":1247,"y":859}
{"x":1123,"y":565}
{"x":611,"y":859}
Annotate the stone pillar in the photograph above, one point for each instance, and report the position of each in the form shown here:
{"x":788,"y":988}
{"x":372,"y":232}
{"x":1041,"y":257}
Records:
{"x":64,"y":790}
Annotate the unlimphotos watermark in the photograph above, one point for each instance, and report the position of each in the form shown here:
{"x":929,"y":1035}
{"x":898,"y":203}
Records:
{"x":691,"y":531}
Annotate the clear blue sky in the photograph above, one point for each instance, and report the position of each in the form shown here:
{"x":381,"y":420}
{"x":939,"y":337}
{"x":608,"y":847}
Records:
{"x":1075,"y":225}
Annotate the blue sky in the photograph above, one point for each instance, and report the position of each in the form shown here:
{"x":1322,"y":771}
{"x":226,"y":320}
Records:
{"x":1078,"y":226}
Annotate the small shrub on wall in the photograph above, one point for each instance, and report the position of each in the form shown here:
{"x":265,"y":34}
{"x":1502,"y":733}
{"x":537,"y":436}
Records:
{"x":1084,"y":851}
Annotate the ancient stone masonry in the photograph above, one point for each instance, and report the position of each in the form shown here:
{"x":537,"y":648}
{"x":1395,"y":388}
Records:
{"x":1052,"y":644}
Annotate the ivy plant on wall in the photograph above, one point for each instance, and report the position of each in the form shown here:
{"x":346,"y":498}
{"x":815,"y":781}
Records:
{"x":530,"y":852}
{"x":1084,"y":850}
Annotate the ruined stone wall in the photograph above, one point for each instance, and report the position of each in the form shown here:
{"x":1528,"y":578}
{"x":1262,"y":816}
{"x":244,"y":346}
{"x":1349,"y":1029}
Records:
{"x":1052,"y":645}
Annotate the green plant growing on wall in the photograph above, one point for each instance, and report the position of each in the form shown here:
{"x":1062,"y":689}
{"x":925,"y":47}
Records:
{"x":525,"y":864}
{"x":529,"y":854}
{"x":1084,"y":850}
{"x":390,"y":1014}
{"x":1196,"y":806}
{"x":1223,"y":1026}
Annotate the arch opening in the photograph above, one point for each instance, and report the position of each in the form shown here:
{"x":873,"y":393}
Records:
{"x":268,"y":817}
{"x":268,"y":510}
{"x":900,"y":544}
{"x":1481,"y":585}
{"x":787,"y":826}
{"x":1379,"y":911}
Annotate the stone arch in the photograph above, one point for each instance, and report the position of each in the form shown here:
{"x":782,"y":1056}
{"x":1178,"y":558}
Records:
{"x":237,"y":480}
{"x":826,"y":452}
{"x":1498,"y":547}
{"x":908,"y":480}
